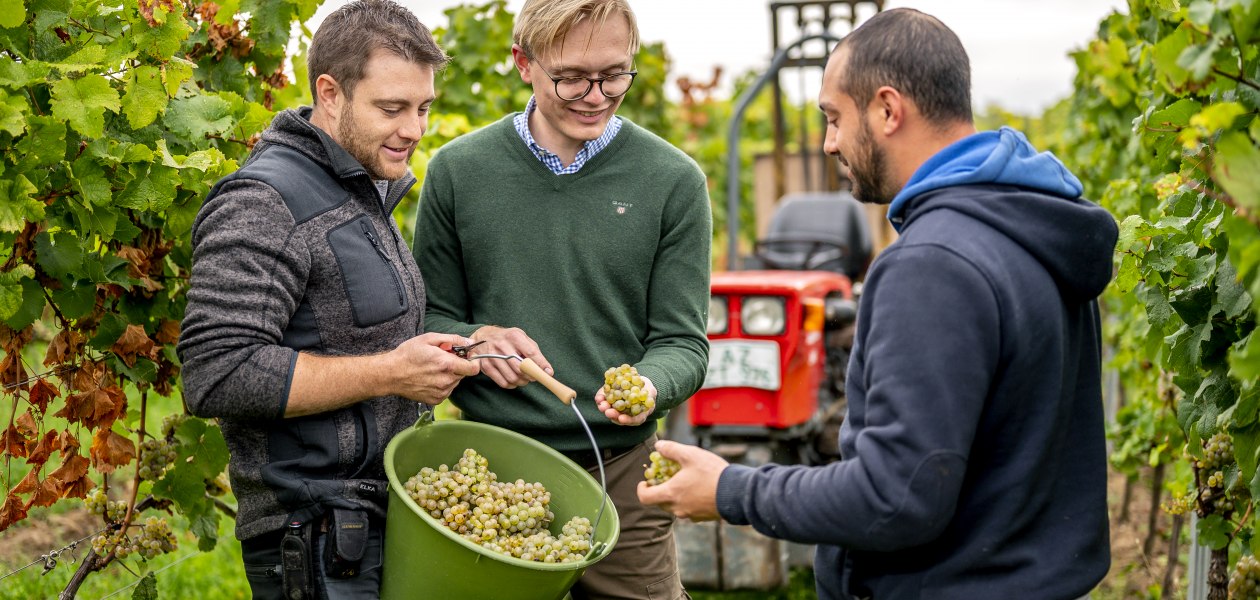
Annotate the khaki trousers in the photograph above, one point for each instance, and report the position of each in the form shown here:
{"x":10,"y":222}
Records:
{"x":644,"y":563}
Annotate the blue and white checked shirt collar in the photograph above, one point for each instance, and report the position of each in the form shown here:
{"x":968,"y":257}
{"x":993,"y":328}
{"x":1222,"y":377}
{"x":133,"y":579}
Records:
{"x":588,"y":151}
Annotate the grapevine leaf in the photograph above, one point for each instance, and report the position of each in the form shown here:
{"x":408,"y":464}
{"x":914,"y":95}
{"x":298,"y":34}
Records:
{"x":81,"y":103}
{"x":1201,"y":12}
{"x":75,"y":300}
{"x":1158,"y":310}
{"x":1235,"y":169}
{"x":58,"y":254}
{"x":134,"y":341}
{"x":1214,"y":532}
{"x":1164,"y":55}
{"x":12,"y":114}
{"x":111,"y":450}
{"x":95,"y":220}
{"x":163,"y":41}
{"x":1186,"y":345}
{"x":13,"y":511}
{"x":44,"y":143}
{"x":12,"y":14}
{"x":1231,"y":298}
{"x":1197,"y":59}
{"x":11,"y":289}
{"x":17,"y":75}
{"x":16,"y":204}
{"x":198,"y":116}
{"x":1132,"y":228}
{"x":1218,"y":116}
{"x":91,"y":181}
{"x":32,"y":305}
{"x":146,"y":589}
{"x":152,"y":189}
{"x":88,"y":58}
{"x":145,"y":97}
{"x":1129,"y":275}
{"x":1244,"y":359}
{"x":175,"y":72}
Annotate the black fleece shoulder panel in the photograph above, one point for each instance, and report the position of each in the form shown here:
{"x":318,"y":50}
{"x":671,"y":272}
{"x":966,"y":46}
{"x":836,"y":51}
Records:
{"x":307,"y":189}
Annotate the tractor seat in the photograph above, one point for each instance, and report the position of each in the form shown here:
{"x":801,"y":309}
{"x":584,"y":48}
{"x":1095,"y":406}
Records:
{"x":815,"y":231}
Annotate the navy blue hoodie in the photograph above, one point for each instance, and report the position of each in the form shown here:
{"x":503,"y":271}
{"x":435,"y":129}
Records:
{"x":974,"y":459}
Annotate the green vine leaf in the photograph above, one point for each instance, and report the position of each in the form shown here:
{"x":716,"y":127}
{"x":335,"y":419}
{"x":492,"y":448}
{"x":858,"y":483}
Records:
{"x":11,"y":289}
{"x":1235,"y":168}
{"x":82,"y":102}
{"x":12,"y":13}
{"x":145,"y":97}
{"x":199,"y":116}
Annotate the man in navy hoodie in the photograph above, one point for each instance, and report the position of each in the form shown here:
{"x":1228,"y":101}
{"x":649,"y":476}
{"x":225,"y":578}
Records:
{"x":974,"y":464}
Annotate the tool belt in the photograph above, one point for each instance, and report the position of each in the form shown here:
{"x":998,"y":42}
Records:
{"x":346,"y":538}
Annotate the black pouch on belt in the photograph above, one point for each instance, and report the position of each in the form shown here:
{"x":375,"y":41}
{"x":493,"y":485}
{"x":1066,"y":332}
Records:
{"x":295,"y":557}
{"x":346,"y":542}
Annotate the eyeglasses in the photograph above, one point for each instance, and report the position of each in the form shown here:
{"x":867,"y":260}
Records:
{"x":576,"y":88}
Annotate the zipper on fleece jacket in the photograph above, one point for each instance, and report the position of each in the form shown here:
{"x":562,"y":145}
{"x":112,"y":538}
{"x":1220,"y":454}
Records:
{"x":367,"y":232}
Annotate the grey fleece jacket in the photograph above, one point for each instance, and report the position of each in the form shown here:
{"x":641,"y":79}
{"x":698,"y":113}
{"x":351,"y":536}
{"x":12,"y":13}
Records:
{"x":296,"y":252}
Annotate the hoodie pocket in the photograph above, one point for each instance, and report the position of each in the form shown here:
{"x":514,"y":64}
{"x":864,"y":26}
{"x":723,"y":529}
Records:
{"x":370,"y":275}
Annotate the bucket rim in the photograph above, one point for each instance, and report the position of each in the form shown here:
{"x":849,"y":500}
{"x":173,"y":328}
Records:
{"x":396,"y":487}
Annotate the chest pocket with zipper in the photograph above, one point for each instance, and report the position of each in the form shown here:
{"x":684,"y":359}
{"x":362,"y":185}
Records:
{"x":368,"y":271}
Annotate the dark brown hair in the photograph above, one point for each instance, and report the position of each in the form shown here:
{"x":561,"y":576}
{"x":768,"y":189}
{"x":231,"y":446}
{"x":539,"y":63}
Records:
{"x":348,"y":37}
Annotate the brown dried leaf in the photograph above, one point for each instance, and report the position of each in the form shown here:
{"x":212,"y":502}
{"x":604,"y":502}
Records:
{"x":133,"y":342}
{"x":26,"y":425}
{"x":68,"y":443}
{"x":11,"y":372}
{"x":110,"y":450}
{"x":138,"y":261}
{"x":73,"y":468}
{"x":64,"y":347}
{"x":13,"y":443}
{"x":49,"y":491}
{"x":12,"y":511}
{"x":42,"y":392}
{"x":28,"y":484}
{"x":79,"y":407}
{"x":167,"y":332}
{"x":48,"y":444}
{"x":78,"y":488}
{"x":86,"y":377}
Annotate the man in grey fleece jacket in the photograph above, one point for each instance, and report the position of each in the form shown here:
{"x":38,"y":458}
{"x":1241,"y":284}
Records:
{"x":302,"y":333}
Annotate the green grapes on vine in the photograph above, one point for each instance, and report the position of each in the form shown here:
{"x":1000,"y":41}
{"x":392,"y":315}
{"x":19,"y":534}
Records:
{"x":1244,"y":583}
{"x":626,"y":392}
{"x":156,"y":456}
{"x":506,"y":517}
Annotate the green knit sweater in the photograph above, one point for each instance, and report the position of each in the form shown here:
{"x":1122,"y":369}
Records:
{"x":606,"y":266}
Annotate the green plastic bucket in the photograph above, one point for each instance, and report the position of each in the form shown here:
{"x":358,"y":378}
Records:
{"x":424,"y":560}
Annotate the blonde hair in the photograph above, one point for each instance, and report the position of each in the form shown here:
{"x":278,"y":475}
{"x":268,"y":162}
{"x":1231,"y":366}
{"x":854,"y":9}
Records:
{"x":542,"y":24}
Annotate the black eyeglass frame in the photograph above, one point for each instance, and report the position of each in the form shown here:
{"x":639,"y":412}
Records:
{"x":590,"y":82}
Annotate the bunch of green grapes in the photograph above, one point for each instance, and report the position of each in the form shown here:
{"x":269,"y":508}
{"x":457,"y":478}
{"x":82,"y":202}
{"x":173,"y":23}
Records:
{"x":1244,"y":583}
{"x":1218,"y":453}
{"x":156,"y":456}
{"x":509,"y":517}
{"x":108,"y":542}
{"x":172,"y":422}
{"x":625,"y":391}
{"x":660,"y":470}
{"x":98,"y":503}
{"x":155,"y":538}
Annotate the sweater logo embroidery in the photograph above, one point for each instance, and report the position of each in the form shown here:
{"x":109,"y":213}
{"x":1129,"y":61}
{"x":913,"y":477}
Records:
{"x":622,"y":207}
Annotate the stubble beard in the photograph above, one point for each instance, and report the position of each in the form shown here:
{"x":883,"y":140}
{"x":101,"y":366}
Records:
{"x":366,"y":151}
{"x":870,"y":181}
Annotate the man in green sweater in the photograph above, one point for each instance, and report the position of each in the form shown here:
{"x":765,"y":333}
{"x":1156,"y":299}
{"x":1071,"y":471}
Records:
{"x":572,"y":236}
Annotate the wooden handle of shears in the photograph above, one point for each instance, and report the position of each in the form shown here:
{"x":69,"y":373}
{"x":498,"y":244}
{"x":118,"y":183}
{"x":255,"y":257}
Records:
{"x":562,"y":391}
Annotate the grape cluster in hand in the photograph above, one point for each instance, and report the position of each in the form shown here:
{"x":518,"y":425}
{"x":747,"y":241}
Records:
{"x":626,"y":392}
{"x":660,"y":470}
{"x":507,"y":517}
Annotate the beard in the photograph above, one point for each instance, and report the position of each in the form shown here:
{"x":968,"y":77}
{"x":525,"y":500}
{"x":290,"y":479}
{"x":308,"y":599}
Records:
{"x":869,"y":170}
{"x":363,"y":149}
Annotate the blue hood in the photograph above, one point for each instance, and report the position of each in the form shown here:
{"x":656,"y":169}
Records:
{"x":1003,"y":157}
